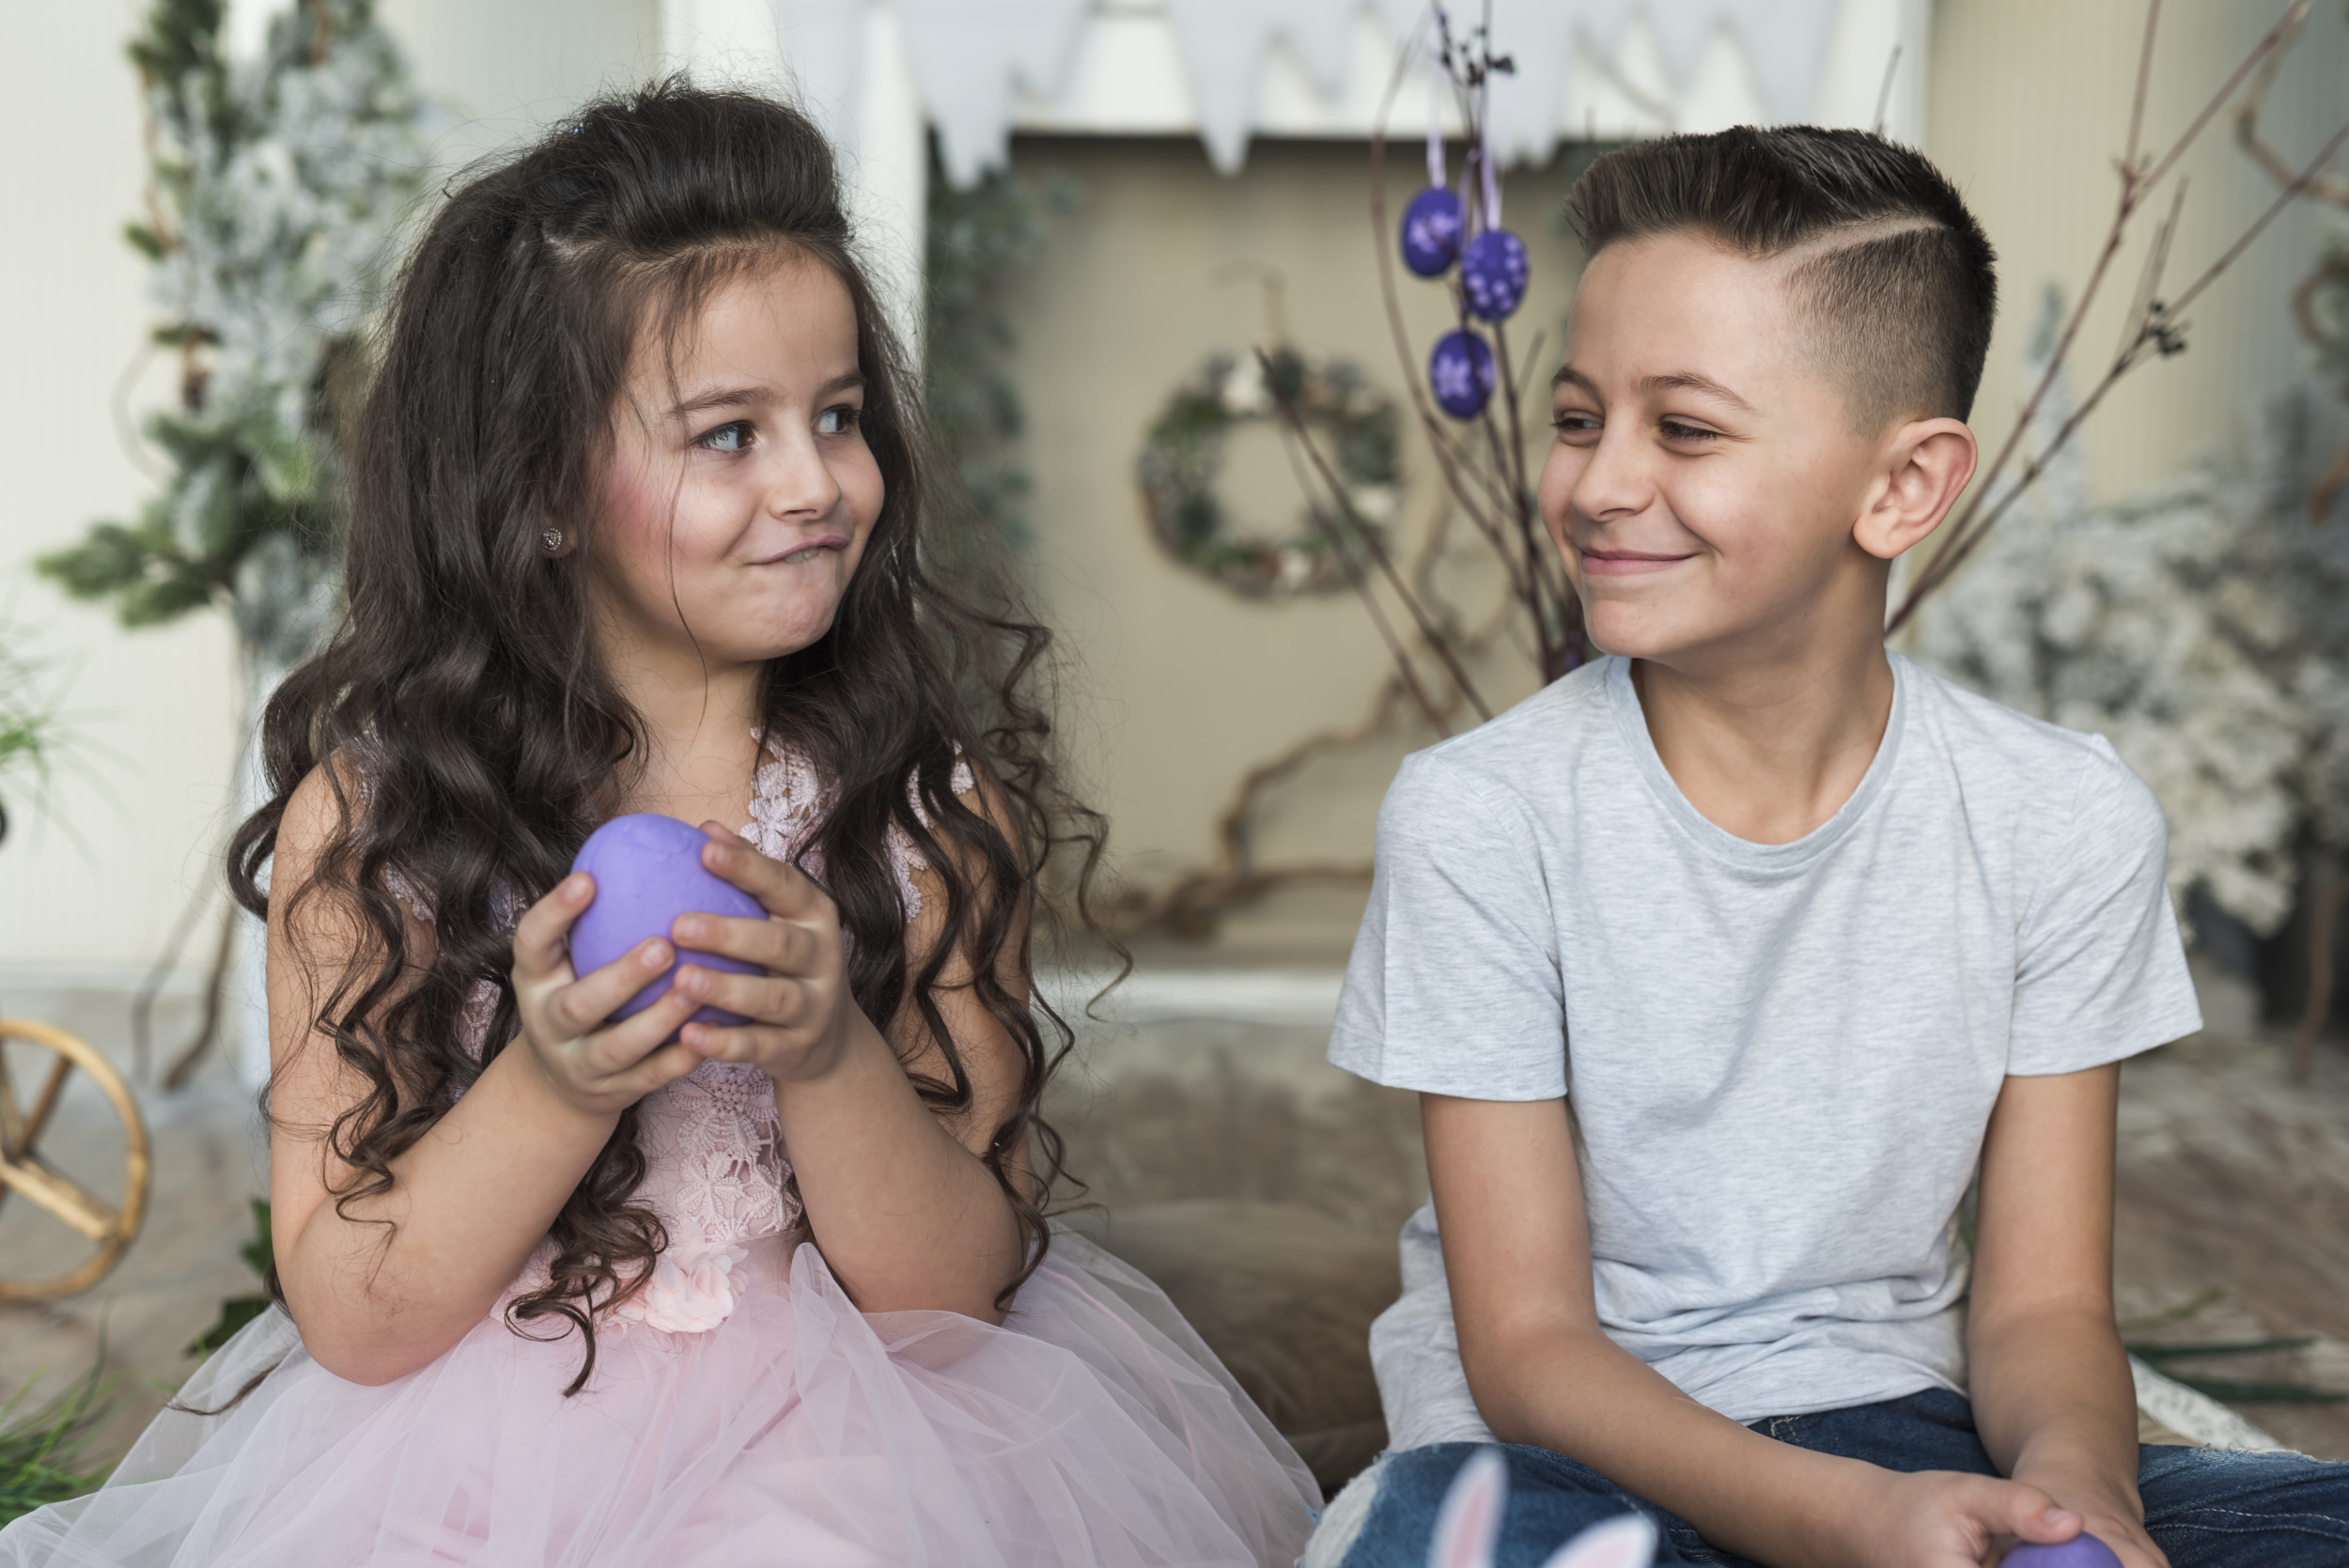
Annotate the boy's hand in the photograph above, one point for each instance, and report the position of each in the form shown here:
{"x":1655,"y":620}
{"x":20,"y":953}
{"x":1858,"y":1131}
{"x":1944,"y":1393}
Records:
{"x":1946,"y":1519}
{"x":2118,"y":1522}
{"x":802,"y":1018}
{"x":2126,"y":1537}
{"x":594,"y":1068}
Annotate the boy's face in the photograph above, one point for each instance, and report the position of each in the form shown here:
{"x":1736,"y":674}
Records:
{"x":1705,"y":480}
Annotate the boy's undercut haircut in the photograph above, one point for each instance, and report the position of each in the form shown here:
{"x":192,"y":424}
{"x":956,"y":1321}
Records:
{"x":1886,"y":260}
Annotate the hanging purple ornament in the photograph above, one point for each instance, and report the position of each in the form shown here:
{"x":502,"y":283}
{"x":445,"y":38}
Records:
{"x":1461,"y":372}
{"x":1493,"y":271}
{"x":1431,"y":232}
{"x":1437,"y":219}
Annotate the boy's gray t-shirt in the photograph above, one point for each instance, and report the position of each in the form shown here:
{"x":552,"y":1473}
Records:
{"x":1781,"y":1058}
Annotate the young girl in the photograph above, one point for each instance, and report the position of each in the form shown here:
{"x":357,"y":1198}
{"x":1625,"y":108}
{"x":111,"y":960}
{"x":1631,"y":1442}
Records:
{"x":637,"y":527}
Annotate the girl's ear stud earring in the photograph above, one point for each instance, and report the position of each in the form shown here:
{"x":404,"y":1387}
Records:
{"x":551,"y":541}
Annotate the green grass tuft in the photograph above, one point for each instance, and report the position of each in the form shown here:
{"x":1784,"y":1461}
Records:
{"x":237,"y":1310}
{"x":45,"y":1452}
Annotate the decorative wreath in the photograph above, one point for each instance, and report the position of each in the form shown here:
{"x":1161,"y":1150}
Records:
{"x":1354,"y":426}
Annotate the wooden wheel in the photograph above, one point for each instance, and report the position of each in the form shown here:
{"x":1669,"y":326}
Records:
{"x":24,"y":1174}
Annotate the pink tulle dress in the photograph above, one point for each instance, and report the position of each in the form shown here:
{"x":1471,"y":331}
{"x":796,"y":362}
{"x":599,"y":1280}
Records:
{"x":743,"y":1411}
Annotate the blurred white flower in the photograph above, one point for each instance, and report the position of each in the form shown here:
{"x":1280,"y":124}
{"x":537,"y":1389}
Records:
{"x":1376,"y":502}
{"x":2198,"y":626}
{"x":1244,"y":392}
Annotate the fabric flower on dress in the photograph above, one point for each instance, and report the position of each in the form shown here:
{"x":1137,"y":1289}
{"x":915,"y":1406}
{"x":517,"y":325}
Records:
{"x":688,"y":1293}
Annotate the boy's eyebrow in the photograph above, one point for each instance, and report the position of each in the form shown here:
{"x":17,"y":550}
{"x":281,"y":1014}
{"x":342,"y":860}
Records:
{"x":1568,"y":376}
{"x":1674,"y":380}
{"x":1688,"y":380}
{"x":759,"y":397}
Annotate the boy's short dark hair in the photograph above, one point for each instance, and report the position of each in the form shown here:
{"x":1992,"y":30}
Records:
{"x":1902,"y":280}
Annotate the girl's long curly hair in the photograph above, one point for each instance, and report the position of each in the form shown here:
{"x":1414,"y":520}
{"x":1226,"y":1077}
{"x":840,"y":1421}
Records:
{"x":483,"y":734}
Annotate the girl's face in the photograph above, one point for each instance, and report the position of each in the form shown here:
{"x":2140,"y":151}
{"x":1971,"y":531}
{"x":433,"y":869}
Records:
{"x":740,"y":490}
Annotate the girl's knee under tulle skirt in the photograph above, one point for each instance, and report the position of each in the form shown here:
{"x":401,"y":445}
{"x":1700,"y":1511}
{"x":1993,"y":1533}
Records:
{"x":1093,"y":1428}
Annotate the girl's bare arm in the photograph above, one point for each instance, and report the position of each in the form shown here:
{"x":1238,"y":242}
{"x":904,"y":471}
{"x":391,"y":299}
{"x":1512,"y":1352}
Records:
{"x":898,"y":1197}
{"x":382,"y":1285}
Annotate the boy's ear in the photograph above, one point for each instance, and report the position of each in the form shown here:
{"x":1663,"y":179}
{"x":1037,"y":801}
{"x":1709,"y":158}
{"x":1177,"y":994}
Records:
{"x":1928,"y":462}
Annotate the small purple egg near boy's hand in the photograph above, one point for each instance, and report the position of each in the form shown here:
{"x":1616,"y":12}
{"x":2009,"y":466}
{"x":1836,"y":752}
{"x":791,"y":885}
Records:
{"x":648,"y":871}
{"x":2082,"y":1551}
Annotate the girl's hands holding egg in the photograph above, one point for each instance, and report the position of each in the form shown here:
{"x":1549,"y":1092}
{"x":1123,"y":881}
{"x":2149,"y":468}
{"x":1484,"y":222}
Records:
{"x":595,"y":1068}
{"x":801,"y":1018}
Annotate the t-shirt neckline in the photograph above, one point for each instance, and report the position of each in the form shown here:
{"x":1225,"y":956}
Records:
{"x":1622,"y":699}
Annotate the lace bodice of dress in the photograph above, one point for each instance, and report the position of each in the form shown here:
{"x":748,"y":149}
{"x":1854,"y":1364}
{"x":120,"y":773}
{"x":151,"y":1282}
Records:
{"x":714,"y":1165}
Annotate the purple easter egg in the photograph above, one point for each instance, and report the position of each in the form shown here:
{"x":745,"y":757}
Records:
{"x":2082,"y":1551}
{"x":1460,"y":371}
{"x":1493,"y":271}
{"x":1431,"y":232}
{"x":648,"y":871}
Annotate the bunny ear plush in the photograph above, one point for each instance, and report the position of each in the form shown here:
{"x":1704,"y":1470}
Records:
{"x":1470,"y":1522}
{"x":1470,"y":1519}
{"x":1624,"y":1541}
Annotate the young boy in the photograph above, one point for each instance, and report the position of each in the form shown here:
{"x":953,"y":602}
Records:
{"x":1721,"y":964}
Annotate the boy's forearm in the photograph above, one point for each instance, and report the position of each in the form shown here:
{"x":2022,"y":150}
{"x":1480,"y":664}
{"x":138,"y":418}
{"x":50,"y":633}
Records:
{"x":2054,"y":1403}
{"x":1573,"y":1392}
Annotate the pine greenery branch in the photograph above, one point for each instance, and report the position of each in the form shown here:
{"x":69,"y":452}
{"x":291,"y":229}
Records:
{"x":2218,"y":1347}
{"x":237,"y":1310}
{"x":975,"y":237}
{"x":2230,"y":1390}
{"x":274,"y":188}
{"x":29,"y":722}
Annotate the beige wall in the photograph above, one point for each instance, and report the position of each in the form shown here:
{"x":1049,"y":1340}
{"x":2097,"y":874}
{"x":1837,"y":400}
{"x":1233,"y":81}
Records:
{"x":503,"y":69}
{"x":159,"y":708}
{"x":1180,"y":685}
{"x":1185,"y":686}
{"x":94,"y":892}
{"x":2029,"y":113}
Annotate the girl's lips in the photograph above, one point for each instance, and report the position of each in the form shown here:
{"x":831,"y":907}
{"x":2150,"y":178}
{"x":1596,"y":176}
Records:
{"x":802,"y":549}
{"x":1627,"y":565}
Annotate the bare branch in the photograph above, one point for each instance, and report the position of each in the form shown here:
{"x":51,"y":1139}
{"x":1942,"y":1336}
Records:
{"x":2328,"y":188}
{"x":2267,"y":47}
{"x":2149,"y":277}
{"x":2300,"y":186}
{"x":1509,"y":460}
{"x":2152,"y":325}
{"x":1484,"y":475}
{"x":1884,"y":93}
{"x":1353,"y":568}
{"x":1368,"y":538}
{"x":2145,"y":76}
{"x":1459,"y":475}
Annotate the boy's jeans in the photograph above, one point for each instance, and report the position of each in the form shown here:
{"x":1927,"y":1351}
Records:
{"x":2206,"y":1508}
